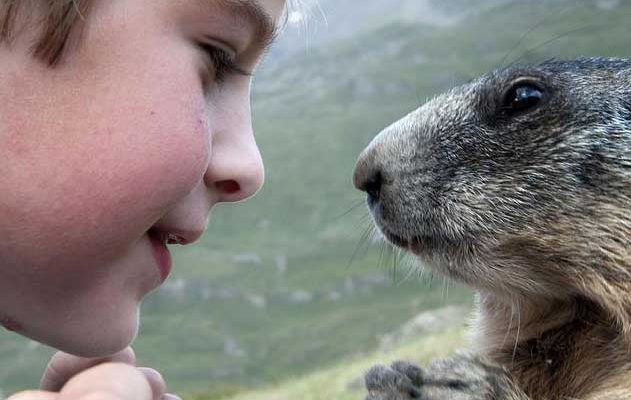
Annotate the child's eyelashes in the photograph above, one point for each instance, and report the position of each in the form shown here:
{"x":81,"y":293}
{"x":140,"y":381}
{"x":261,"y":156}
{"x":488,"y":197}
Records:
{"x":221,"y":63}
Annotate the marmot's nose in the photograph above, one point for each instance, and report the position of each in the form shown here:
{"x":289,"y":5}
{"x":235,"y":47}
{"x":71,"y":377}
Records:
{"x":368,"y":177}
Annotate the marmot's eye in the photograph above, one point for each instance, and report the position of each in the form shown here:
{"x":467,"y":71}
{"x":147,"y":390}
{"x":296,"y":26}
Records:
{"x":522,"y":97}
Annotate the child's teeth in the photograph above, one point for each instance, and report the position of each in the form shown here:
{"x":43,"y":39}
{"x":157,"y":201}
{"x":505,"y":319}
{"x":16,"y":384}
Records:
{"x":173,"y":239}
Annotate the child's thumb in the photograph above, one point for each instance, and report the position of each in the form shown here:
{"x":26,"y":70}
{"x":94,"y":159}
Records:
{"x":34,"y":395}
{"x":63,"y":366}
{"x":110,"y":381}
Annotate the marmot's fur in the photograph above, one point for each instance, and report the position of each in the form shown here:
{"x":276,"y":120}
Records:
{"x":519,"y":185}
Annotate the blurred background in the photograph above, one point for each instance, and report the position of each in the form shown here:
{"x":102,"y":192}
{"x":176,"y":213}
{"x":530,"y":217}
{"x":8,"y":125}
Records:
{"x":291,"y":295}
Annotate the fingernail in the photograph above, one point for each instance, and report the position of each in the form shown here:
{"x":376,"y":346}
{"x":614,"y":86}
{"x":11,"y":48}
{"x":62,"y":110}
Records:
{"x":170,"y":396}
{"x":156,"y":381}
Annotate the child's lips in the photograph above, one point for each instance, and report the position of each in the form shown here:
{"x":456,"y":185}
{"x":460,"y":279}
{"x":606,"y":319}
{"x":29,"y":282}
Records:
{"x":161,"y":253}
{"x":161,"y":236}
{"x":10,"y":324}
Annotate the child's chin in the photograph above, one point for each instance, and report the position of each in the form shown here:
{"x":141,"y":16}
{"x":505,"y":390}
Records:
{"x":100,"y":348}
{"x":96,"y":341}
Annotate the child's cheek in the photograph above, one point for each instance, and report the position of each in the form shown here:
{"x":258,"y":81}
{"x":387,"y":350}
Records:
{"x":91,"y":192}
{"x":158,"y":162}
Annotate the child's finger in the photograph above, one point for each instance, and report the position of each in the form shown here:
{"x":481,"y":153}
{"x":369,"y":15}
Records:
{"x":110,"y":381}
{"x":34,"y":395}
{"x":63,"y":366}
{"x":158,"y":386}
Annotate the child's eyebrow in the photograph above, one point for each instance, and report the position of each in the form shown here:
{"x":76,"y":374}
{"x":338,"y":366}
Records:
{"x":254,"y":14}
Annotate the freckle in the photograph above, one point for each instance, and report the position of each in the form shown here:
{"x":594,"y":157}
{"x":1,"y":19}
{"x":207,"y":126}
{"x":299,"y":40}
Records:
{"x":152,"y":113}
{"x":10,"y":324}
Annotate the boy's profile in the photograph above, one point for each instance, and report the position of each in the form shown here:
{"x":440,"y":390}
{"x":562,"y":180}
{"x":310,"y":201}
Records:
{"x":122,"y":122}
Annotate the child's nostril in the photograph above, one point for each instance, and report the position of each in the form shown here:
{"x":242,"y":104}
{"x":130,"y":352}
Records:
{"x":229,"y":186}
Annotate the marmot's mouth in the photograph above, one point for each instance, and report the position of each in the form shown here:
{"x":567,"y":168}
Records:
{"x":420,"y":244}
{"x":395,"y":239}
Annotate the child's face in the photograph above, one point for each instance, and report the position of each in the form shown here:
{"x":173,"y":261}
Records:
{"x":121,"y":138}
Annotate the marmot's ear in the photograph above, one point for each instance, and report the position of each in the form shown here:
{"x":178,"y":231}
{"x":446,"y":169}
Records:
{"x":614,"y":298}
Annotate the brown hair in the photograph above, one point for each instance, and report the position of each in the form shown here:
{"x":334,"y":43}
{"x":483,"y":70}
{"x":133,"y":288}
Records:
{"x":60,"y":17}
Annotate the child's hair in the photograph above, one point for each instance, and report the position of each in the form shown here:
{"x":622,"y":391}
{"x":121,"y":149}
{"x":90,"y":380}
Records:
{"x":60,"y":18}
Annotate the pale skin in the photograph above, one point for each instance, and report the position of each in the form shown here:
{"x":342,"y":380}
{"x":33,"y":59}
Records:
{"x":135,"y":130}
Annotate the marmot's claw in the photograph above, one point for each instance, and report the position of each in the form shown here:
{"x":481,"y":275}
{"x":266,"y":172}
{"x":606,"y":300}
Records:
{"x":412,"y":371}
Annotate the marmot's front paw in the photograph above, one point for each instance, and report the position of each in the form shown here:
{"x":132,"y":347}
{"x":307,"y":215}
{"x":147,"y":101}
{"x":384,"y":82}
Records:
{"x":400,"y":381}
{"x":458,"y":378}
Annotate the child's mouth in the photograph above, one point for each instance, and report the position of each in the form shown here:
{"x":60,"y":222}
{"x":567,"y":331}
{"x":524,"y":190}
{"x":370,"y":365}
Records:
{"x":161,"y":252}
{"x":10,"y":324}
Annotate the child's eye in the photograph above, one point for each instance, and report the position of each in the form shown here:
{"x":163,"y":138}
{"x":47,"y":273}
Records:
{"x":221,"y":63}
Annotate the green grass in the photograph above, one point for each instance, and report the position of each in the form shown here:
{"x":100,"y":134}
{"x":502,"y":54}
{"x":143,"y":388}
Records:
{"x":344,"y":381}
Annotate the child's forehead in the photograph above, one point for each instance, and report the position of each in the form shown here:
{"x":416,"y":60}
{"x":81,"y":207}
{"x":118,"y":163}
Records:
{"x":263,"y":11}
{"x":261,"y":14}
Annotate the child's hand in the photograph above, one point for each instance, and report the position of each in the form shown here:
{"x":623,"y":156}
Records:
{"x":112,"y":378}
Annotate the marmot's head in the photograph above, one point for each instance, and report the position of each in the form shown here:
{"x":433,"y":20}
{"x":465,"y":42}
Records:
{"x":518,"y":182}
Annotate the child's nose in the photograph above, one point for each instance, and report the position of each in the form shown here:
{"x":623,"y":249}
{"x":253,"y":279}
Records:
{"x":235,"y":171}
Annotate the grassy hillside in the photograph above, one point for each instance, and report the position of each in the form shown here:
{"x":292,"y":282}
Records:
{"x":284,"y":285}
{"x":344,"y":381}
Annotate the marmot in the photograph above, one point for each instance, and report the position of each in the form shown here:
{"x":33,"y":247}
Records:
{"x":519,"y":185}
